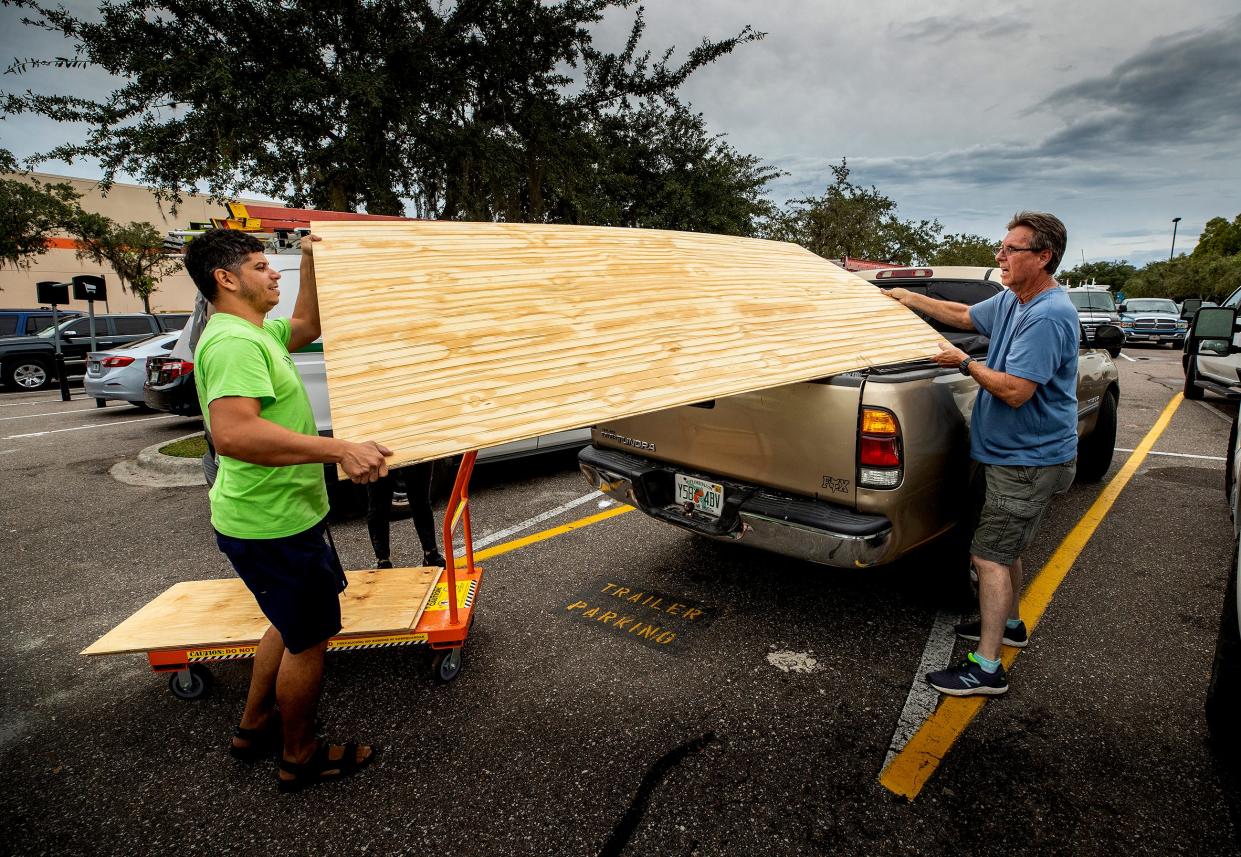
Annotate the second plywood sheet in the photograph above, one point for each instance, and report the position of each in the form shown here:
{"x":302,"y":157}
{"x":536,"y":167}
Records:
{"x":223,"y":612}
{"x":445,"y":337}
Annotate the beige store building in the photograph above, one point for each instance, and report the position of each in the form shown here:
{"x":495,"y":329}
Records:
{"x":124,"y":203}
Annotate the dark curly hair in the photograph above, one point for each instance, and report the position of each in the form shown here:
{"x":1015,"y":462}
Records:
{"x":217,"y":248}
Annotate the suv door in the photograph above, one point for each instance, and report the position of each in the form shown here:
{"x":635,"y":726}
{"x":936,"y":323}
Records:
{"x":131,"y":328}
{"x":1223,"y":368}
{"x":75,"y":337}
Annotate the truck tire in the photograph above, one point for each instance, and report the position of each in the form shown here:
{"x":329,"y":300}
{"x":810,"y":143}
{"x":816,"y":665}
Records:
{"x":1094,"y":451}
{"x":1223,"y":703}
{"x":1192,"y":390}
{"x":27,"y":373}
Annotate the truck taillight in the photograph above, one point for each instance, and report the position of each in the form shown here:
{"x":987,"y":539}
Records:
{"x":116,"y":362}
{"x":879,"y":454}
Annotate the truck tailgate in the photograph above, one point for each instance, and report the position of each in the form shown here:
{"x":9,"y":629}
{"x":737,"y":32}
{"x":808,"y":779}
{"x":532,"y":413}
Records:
{"x":799,"y":438}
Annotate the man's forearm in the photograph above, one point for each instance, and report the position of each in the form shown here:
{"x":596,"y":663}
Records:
{"x":260,"y":441}
{"x":1009,"y":389}
{"x":306,"y":310}
{"x":955,"y":314}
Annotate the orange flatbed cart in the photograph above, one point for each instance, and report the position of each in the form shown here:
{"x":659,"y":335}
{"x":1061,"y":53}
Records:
{"x":442,"y":605}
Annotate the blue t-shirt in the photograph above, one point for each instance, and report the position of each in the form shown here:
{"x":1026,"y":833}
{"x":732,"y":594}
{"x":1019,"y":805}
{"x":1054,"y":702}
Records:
{"x":1037,"y":341}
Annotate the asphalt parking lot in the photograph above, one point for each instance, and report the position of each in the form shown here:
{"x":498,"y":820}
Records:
{"x":761,"y":726}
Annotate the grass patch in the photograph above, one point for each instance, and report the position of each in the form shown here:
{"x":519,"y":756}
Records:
{"x":187,"y":447}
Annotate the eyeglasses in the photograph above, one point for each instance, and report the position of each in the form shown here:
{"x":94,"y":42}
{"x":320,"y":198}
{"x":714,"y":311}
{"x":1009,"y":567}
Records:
{"x":1005,"y":250}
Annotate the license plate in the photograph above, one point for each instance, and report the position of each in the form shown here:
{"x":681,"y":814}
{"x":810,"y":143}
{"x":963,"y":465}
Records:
{"x":94,"y":369}
{"x":701,"y":495}
{"x":1156,"y":338}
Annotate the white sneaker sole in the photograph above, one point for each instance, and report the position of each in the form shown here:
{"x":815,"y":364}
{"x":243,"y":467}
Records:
{"x":1012,"y":644}
{"x":972,"y":691}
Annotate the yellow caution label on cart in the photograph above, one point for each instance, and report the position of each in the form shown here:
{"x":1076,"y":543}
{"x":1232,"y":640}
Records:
{"x":221,"y":653}
{"x":465,"y":595}
{"x":375,"y":641}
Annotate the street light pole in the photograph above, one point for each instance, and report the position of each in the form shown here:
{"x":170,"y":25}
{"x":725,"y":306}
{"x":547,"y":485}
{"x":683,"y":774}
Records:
{"x":1172,"y":252}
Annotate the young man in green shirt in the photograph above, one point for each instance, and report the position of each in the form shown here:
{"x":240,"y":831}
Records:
{"x":269,"y":500}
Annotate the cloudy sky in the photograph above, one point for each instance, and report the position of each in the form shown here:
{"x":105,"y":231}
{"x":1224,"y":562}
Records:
{"x":1118,"y":115}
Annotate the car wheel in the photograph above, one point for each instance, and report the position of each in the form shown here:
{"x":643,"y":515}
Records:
{"x":1094,"y":451}
{"x":1228,"y":465}
{"x":28,"y":374}
{"x":1191,"y":389}
{"x":1115,"y":352}
{"x":1223,"y":705}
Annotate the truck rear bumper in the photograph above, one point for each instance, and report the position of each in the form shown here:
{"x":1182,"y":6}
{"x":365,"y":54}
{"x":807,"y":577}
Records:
{"x":786,"y":524}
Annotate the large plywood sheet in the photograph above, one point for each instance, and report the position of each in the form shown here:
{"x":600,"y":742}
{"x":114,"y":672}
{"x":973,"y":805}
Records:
{"x":223,"y":612}
{"x":445,"y":337}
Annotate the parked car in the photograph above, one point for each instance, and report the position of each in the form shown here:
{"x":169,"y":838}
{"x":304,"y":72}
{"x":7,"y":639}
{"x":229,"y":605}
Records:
{"x":1211,"y":369}
{"x":28,"y":362}
{"x":1154,"y":320}
{"x":170,"y":379}
{"x":28,"y":322}
{"x":851,"y":470}
{"x":1215,"y":332}
{"x":1095,"y":307}
{"x":120,"y":374}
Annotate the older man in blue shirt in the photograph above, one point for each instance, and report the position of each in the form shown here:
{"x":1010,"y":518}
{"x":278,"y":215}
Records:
{"x":1023,"y":432}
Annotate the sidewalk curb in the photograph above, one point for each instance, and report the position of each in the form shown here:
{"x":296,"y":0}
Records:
{"x":153,"y":469}
{"x":152,"y":459}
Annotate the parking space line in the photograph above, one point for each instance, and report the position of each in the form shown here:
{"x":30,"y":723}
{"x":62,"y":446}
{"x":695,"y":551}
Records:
{"x":91,"y":426}
{"x":922,"y":699}
{"x":7,"y":451}
{"x":913,"y":766}
{"x":537,"y":519}
{"x":1179,"y":455}
{"x":1127,"y":357}
{"x":488,"y":553}
{"x":27,"y":402}
{"x":51,"y":414}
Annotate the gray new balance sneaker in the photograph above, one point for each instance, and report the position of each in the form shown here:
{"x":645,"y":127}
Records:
{"x":1015,"y":637}
{"x":969,"y":679}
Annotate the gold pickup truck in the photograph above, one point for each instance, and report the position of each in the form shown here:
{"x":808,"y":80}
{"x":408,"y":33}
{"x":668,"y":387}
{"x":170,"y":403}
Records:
{"x":851,"y":470}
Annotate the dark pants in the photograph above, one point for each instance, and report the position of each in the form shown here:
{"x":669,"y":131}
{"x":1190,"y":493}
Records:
{"x":417,"y":481}
{"x":297,"y":581}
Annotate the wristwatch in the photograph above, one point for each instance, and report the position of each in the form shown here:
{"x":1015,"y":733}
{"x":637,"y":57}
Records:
{"x":965,"y":366}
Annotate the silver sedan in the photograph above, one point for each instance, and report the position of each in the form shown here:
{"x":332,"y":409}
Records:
{"x":121,"y":372}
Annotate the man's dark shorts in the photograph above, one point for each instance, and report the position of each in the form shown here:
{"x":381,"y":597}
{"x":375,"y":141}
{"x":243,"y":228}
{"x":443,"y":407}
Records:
{"x":1014,"y":499}
{"x":297,"y":581}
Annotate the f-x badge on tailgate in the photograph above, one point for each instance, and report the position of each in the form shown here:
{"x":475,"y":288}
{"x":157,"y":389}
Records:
{"x":840,"y":486}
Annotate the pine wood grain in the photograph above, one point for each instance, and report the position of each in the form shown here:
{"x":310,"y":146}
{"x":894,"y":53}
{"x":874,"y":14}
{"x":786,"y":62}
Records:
{"x":223,"y":612}
{"x":444,"y":337}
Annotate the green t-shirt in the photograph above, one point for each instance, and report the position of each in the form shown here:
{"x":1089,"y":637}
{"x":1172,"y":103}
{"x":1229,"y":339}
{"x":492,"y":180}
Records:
{"x":250,"y":501}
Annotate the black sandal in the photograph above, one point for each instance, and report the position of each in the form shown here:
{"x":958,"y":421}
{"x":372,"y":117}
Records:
{"x":263,"y":741}
{"x":320,"y":768}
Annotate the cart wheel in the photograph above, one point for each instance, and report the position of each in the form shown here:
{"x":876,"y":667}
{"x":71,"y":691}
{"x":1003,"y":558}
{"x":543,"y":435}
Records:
{"x":447,"y":665}
{"x":192,"y":683}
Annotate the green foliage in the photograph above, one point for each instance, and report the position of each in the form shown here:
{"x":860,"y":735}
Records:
{"x":30,"y":212}
{"x":135,"y":252}
{"x":856,"y":221}
{"x":1220,"y":238}
{"x":1115,"y":274}
{"x":1208,"y":277}
{"x":964,"y":249}
{"x":474,"y":109}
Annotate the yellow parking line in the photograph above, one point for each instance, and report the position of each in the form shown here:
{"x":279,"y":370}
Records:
{"x":914,"y":765}
{"x":548,"y":534}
